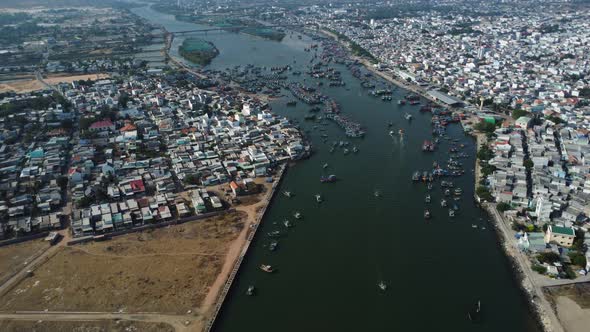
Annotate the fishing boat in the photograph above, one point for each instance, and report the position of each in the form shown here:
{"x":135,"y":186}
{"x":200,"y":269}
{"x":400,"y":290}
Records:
{"x":328,"y":179}
{"x":451,"y":213}
{"x":291,"y":103}
{"x":355,"y":149}
{"x":318,"y":198}
{"x":273,"y":245}
{"x":267,"y":268}
{"x":475,"y":313}
{"x":443,"y":202}
{"x":274,"y":234}
{"x":297,"y":215}
{"x":408,"y":116}
{"x":345,"y":151}
{"x":416,"y":176}
{"x":377,"y":193}
{"x":447,"y":192}
{"x":287,"y":193}
{"x":331,"y":150}
{"x":473,"y":226}
{"x":458,"y":191}
{"x":391,"y":133}
{"x":325,"y":165}
{"x":427,"y":199}
{"x":287,"y":223}
{"x":426,"y":214}
{"x":250,"y":290}
{"x":382,"y":286}
{"x":429,"y":186}
{"x":401,"y":132}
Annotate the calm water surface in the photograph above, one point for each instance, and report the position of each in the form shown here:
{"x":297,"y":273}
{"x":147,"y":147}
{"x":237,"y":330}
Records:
{"x":330,"y":262}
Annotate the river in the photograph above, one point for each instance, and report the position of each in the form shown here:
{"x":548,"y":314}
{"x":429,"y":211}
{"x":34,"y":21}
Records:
{"x":329,"y":264}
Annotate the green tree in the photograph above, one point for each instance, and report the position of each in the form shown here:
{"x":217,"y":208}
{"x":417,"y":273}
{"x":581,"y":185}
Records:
{"x":62,"y":182}
{"x":503,"y":206}
{"x":518,"y":113}
{"x":528,"y":164}
{"x":484,"y":193}
{"x":548,"y":257}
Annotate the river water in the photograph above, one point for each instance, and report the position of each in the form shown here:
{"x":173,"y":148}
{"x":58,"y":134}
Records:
{"x":329,"y":264}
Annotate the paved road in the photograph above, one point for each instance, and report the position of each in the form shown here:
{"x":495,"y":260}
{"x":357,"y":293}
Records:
{"x":181,"y":323}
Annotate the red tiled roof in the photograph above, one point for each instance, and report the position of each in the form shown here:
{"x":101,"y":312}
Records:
{"x":101,"y":124}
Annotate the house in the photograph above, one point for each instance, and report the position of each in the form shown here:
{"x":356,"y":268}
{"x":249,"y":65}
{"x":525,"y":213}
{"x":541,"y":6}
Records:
{"x":105,"y":125}
{"x":564,"y":236}
{"x":523,"y":122}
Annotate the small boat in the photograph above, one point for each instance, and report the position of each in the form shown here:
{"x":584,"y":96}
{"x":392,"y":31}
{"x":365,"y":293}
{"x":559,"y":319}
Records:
{"x":451,"y":213}
{"x":443,"y":202}
{"x":427,"y":199}
{"x":458,"y":191}
{"x":287,"y":223}
{"x":267,"y":268}
{"x":328,"y":179}
{"x":377,"y":193}
{"x":455,"y":207}
{"x":473,"y":226}
{"x":287,"y":193}
{"x":331,"y":150}
{"x":274,"y":234}
{"x":345,"y":151}
{"x":447,"y":192}
{"x":273,"y":245}
{"x":408,"y":116}
{"x":325,"y":166}
{"x":318,"y":198}
{"x":391,"y":133}
{"x":382,"y":286}
{"x":475,"y":313}
{"x":426,"y":214}
{"x":401,"y":102}
{"x":292,"y":103}
{"x":250,"y":290}
{"x":401,"y":132}
{"x":355,"y":149}
{"x":297,"y":215}
{"x":429,"y":186}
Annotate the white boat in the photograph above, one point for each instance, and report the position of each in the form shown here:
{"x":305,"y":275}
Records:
{"x":408,"y":116}
{"x":325,"y":165}
{"x":318,"y":198}
{"x":474,"y":225}
{"x":287,"y":223}
{"x":250,"y":290}
{"x":391,"y":133}
{"x":382,"y":286}
{"x":297,"y":215}
{"x":427,"y":199}
{"x":443,"y":202}
{"x":287,"y":193}
{"x":451,"y":213}
{"x":377,"y":193}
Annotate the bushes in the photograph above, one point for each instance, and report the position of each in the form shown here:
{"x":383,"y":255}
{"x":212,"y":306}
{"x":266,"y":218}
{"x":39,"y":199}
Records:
{"x":548,"y":257}
{"x":484,"y":193}
{"x":577,"y":259}
{"x":503,"y":206}
{"x":539,"y":268}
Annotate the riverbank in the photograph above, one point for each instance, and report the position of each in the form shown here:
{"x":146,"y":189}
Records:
{"x":367,"y":64}
{"x":547,"y":317}
{"x":238,"y":250}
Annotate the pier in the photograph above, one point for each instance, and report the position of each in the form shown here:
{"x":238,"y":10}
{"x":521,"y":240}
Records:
{"x":238,"y":263}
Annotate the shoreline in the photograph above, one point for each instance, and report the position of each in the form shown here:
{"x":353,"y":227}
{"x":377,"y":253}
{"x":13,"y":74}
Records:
{"x":238,"y":251}
{"x":546,"y":317}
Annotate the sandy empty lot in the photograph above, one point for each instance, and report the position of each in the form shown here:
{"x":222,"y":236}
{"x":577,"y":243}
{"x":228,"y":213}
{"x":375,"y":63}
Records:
{"x":23,"y":86}
{"x":13,"y":257}
{"x":91,"y":326}
{"x":168,"y":270}
{"x":572,"y":305}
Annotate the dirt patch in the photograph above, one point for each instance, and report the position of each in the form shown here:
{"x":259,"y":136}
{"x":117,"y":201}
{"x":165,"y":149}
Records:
{"x":22,"y":86}
{"x":55,"y":79}
{"x":13,"y":257}
{"x":168,"y":270}
{"x":80,"y":326}
{"x":571,"y":304}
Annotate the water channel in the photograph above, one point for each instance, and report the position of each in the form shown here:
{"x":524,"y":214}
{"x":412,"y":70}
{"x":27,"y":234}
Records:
{"x":329,"y":264}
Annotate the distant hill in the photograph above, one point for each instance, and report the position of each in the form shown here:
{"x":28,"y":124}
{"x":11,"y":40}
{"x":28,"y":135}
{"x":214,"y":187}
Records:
{"x":23,"y":4}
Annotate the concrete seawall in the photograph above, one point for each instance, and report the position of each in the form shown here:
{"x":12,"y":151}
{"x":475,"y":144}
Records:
{"x":222,"y":297}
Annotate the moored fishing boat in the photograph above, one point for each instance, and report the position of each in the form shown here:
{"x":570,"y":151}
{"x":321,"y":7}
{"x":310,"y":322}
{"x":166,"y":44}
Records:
{"x":267,"y":268}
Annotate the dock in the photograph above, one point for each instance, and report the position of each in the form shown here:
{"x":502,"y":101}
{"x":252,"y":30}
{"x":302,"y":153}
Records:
{"x":238,"y":263}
